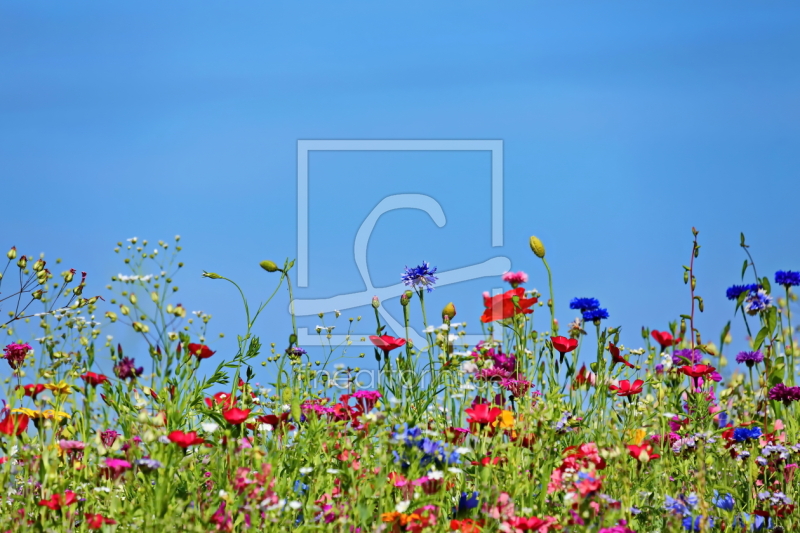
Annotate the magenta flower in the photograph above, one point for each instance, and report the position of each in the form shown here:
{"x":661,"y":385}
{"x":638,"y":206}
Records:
{"x":126,"y":369}
{"x":15,"y":354}
{"x":515,"y":279}
{"x":115,"y":468}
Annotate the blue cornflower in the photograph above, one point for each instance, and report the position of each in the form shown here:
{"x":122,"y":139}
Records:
{"x":759,"y":521}
{"x":677,"y":506}
{"x":300,"y":487}
{"x":584,"y":304}
{"x":693,"y":524}
{"x":420,"y":276}
{"x":467,"y":501}
{"x":734,"y":291}
{"x":725,"y":503}
{"x":757,"y":301}
{"x":750,"y":358}
{"x":595,"y":314}
{"x":147,"y":464}
{"x":743,"y":434}
{"x":787,"y":278}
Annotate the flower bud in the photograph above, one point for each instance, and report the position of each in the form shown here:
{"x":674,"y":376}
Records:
{"x":376,"y":303}
{"x":69,"y":275}
{"x":38,"y":265}
{"x":133,"y":298}
{"x":111,"y":315}
{"x":269,"y":266}
{"x":12,"y":253}
{"x":537,"y":247}
{"x":211,"y":275}
{"x":37,"y":295}
{"x":449,"y":312}
{"x":22,"y":262}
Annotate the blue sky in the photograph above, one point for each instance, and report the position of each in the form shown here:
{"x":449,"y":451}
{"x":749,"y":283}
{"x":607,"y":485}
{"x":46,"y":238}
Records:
{"x":623,"y":124}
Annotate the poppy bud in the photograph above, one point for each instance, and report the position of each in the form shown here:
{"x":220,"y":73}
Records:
{"x":449,"y":312}
{"x":269,"y":266}
{"x":292,"y":339}
{"x":211,"y":275}
{"x":376,"y":303}
{"x":12,"y":253}
{"x":537,"y":247}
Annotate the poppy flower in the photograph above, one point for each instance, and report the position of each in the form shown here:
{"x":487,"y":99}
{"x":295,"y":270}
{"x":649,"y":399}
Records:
{"x":488,"y":461}
{"x":697,"y":371}
{"x":664,"y":338}
{"x":184,"y":440}
{"x":222,"y":399}
{"x":563,"y":344}
{"x":626,"y":388}
{"x":506,"y":305}
{"x":642,"y":453}
{"x":387,"y":343}
{"x":94,"y":379}
{"x":235,"y":415}
{"x":482,"y":414}
{"x":32,"y":390}
{"x":278,"y":423}
{"x":584,"y":377}
{"x":466,"y":525}
{"x":616,"y":357}
{"x":14,"y":424}
{"x":96,"y":521}
{"x":57,"y":501}
{"x":201,"y":351}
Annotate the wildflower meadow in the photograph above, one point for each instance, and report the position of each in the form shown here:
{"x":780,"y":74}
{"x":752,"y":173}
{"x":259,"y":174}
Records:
{"x":550,"y":423}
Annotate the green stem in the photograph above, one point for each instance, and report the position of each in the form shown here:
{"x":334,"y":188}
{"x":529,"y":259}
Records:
{"x":790,"y":351}
{"x":552,"y":303}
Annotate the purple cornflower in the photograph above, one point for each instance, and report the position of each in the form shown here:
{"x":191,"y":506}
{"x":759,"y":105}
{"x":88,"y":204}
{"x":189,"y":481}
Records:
{"x":517,"y":387}
{"x":419,"y":277}
{"x":686,"y":357}
{"x":148,"y":465}
{"x":15,"y":354}
{"x":787,"y":278}
{"x":750,"y":358}
{"x":126,"y":369}
{"x":757,"y":301}
{"x":782,"y":393}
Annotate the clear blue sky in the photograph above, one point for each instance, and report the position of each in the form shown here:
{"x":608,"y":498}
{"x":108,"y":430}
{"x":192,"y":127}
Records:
{"x":624,"y":124}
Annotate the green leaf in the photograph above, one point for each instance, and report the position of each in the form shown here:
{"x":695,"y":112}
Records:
{"x":766,"y":285}
{"x":762,"y":334}
{"x":772,"y":319}
{"x":741,"y":239}
{"x":725,"y":332}
{"x":744,"y":268}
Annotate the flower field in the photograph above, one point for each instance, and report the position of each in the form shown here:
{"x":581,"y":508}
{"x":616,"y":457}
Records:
{"x":542,"y":426}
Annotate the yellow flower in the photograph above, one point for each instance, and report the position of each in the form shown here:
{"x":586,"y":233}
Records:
{"x":637,"y":436}
{"x":29,"y":412}
{"x":55,"y":415}
{"x":505,"y":420}
{"x":60,"y":389}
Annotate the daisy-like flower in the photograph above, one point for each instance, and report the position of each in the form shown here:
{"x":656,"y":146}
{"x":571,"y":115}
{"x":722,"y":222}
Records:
{"x":420,"y":277}
{"x":750,"y":358}
{"x":15,"y":354}
{"x":515,"y":279}
{"x":787,"y":278}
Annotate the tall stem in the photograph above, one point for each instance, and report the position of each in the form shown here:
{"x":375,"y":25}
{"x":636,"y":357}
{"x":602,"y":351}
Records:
{"x":790,"y":350}
{"x":552,"y":303}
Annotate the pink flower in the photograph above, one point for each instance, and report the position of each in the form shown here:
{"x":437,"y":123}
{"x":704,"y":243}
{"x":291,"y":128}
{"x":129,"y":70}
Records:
{"x":15,"y":354}
{"x":515,"y":278}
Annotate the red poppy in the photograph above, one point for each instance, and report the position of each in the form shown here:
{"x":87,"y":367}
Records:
{"x":184,"y":440}
{"x":387,"y":343}
{"x":278,"y":423}
{"x":223,"y":399}
{"x":664,"y":338}
{"x":466,"y":525}
{"x":697,"y":371}
{"x":487,"y":461}
{"x":520,"y":523}
{"x":235,"y":415}
{"x":96,"y":521}
{"x":616,"y":357}
{"x":32,"y":390}
{"x":563,"y":344}
{"x":482,"y":414}
{"x":94,"y":379}
{"x":201,"y":351}
{"x":584,"y":376}
{"x":14,"y":424}
{"x":625,"y":388}
{"x":642,"y":453}
{"x":57,"y":501}
{"x":506,"y":305}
